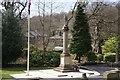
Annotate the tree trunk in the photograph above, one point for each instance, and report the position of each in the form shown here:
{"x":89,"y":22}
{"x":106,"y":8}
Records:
{"x":78,"y":59}
{"x":96,"y":39}
{"x":117,"y":34}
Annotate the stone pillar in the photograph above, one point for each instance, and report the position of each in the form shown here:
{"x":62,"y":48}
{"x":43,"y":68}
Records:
{"x":65,"y":40}
{"x":65,"y":58}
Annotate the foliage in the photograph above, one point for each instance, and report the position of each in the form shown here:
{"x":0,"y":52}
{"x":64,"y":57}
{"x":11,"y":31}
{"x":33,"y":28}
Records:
{"x":12,"y":38}
{"x":81,"y":39}
{"x":51,"y":58}
{"x":109,"y":49}
{"x":109,"y":57}
{"x":91,"y":56}
{"x":33,"y":48}
{"x":110,"y":45}
{"x":36,"y":58}
{"x":100,"y":57}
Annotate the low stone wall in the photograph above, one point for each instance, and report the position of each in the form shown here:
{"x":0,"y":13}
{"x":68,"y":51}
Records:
{"x":114,"y":64}
{"x":112,"y":75}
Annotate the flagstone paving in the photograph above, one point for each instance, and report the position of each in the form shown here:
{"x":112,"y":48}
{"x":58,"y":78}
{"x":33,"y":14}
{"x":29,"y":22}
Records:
{"x":50,"y":74}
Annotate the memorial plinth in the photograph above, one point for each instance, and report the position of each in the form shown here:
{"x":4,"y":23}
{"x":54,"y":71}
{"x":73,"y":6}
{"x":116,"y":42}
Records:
{"x":65,"y":57}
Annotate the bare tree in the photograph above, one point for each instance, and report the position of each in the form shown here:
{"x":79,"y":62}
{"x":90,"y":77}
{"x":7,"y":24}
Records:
{"x":44,"y":21}
{"x":94,"y":21}
{"x":16,"y":6}
{"x":101,"y":24}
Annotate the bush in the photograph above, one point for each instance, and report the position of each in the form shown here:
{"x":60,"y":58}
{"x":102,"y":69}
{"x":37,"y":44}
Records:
{"x":51,"y":59}
{"x":109,"y":49}
{"x":109,"y":57}
{"x":100,"y":57}
{"x":110,"y":45}
{"x":91,"y":56}
{"x":36,"y":58}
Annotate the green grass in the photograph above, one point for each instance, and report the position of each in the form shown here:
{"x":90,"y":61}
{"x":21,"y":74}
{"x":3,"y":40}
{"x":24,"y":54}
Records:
{"x":7,"y":71}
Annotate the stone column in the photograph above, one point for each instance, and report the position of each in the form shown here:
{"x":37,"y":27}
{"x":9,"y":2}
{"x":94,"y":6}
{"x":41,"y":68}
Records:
{"x":65,"y":58}
{"x":65,"y":40}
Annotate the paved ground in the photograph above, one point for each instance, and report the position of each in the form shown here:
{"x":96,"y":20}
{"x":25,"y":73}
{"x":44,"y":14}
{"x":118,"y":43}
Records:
{"x":99,"y":68}
{"x":57,"y":79}
{"x":50,"y":73}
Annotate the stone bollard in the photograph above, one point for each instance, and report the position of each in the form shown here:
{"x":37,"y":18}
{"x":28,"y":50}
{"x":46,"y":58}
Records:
{"x":84,"y":77}
{"x":111,"y":75}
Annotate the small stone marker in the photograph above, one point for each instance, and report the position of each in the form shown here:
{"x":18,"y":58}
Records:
{"x":84,"y":77}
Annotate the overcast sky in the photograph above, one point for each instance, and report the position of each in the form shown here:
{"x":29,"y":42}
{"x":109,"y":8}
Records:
{"x":62,"y":5}
{"x":58,"y":6}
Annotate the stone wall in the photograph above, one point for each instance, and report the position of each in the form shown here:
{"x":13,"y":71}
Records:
{"x":112,"y":75}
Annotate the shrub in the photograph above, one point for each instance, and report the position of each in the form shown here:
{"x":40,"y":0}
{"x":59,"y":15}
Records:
{"x":110,"y":45}
{"x":91,"y":56}
{"x":51,"y":58}
{"x":109,"y":57}
{"x":109,"y":49}
{"x":100,"y":57}
{"x":36,"y":58}
{"x":33,"y":48}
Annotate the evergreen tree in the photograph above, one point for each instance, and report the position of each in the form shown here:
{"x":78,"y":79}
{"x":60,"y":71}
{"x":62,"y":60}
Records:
{"x":12,"y":38}
{"x":81,"y":39}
